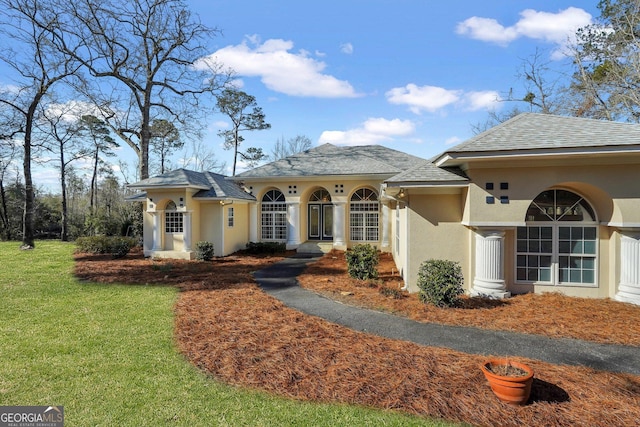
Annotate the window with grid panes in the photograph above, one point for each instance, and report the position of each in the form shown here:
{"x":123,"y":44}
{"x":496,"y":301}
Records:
{"x":364,"y":216}
{"x":559,"y":244}
{"x":273,"y":216}
{"x":172,"y":219}
{"x":230,"y":217}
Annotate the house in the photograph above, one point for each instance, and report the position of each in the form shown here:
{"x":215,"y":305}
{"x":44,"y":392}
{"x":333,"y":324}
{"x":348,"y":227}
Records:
{"x":538,"y":203}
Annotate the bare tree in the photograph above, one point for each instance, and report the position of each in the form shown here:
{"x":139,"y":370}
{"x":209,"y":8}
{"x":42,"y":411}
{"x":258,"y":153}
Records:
{"x":141,"y":56}
{"x":201,"y":158}
{"x":233,"y":103}
{"x":102,"y":143}
{"x":285,"y":148}
{"x":63,"y":141}
{"x":165,"y":138}
{"x":8,"y":152}
{"x":34,"y":58}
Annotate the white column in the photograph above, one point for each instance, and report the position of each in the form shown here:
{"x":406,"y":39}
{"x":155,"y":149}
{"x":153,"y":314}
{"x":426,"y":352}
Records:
{"x":186,"y":231}
{"x":385,"y":226}
{"x":489,"y":278}
{"x":157,"y":231}
{"x":293,"y":225}
{"x":338,"y":225}
{"x":253,"y":222}
{"x":629,"y":286}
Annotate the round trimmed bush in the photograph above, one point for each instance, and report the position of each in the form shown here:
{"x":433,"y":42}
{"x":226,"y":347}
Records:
{"x":362,"y":262}
{"x":204,"y":251}
{"x":440,"y":282}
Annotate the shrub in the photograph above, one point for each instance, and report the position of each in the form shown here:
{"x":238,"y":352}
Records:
{"x":266,"y":247}
{"x":362,"y":262}
{"x":120,"y":246}
{"x":204,"y":251}
{"x":116,"y":246}
{"x":393,"y":293}
{"x":440,"y":282}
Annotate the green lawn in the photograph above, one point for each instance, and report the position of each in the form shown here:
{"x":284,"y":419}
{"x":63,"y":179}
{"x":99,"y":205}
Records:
{"x":106,"y":353}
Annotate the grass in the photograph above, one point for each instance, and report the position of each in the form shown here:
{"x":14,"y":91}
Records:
{"x":107,"y":354}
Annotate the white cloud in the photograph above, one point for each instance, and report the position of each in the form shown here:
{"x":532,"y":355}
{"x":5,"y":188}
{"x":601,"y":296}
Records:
{"x":346,"y":48}
{"x":295,"y":74}
{"x":372,"y":131}
{"x":453,"y":140}
{"x":423,"y":98}
{"x":72,"y":110}
{"x":482,"y":100}
{"x":555,"y":28}
{"x":433,"y":98}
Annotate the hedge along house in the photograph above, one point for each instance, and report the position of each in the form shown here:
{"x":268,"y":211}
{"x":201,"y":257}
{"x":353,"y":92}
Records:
{"x":538,"y":203}
{"x":547,"y":203}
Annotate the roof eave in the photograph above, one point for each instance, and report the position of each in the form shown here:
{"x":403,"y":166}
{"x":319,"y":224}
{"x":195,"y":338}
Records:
{"x":458,"y":159}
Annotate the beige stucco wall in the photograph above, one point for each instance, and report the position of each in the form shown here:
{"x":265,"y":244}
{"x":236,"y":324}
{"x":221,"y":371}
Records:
{"x":611,"y":189}
{"x":155,"y":205}
{"x":436,"y":232}
{"x":608,"y":188}
{"x":236,"y":237}
{"x":299,"y":190}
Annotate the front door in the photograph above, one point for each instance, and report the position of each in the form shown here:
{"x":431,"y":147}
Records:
{"x":320,"y":221}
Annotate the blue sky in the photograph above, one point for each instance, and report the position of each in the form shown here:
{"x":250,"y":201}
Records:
{"x":408,"y":74}
{"x":412,"y":75}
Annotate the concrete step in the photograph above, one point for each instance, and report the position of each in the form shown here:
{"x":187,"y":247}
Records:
{"x":315,"y":247}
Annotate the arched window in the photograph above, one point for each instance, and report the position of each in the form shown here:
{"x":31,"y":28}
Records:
{"x":559,"y":244}
{"x":172,"y":219}
{"x":364,"y":211}
{"x":274,"y":216}
{"x":321,"y":196}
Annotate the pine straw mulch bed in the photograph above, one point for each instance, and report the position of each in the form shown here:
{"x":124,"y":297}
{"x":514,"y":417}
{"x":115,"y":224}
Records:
{"x":228,"y":327}
{"x":552,"y":314}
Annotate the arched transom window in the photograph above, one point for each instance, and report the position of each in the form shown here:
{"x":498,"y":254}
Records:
{"x":274,"y":216}
{"x":320,"y":196}
{"x":172,"y":219}
{"x":559,"y":244}
{"x":364,"y":211}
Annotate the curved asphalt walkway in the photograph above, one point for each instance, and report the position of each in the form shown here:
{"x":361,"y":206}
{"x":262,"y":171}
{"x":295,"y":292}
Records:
{"x":279,"y":280}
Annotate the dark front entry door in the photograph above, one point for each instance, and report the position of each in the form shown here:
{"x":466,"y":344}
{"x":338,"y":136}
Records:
{"x":320,"y":221}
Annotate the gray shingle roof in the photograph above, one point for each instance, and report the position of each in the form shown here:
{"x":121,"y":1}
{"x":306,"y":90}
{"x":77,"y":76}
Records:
{"x":221,"y":187}
{"x":211,"y":185}
{"x":532,"y":131}
{"x":328,"y":159}
{"x":427,"y":172}
{"x":175,"y":178}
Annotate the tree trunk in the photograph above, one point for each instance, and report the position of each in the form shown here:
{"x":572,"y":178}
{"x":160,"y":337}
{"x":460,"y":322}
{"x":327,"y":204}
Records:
{"x":64,"y":235}
{"x":29,"y":194}
{"x":6,"y":224}
{"x":92,"y":190}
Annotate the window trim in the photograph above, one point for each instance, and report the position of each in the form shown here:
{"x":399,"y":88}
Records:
{"x":364,"y":200}
{"x":275,"y":201}
{"x":230,"y":217}
{"x":556,"y":254}
{"x":173,"y":220}
{"x":556,"y":218}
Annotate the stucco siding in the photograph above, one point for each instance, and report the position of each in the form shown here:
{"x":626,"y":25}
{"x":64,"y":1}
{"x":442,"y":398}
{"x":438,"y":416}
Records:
{"x":436,"y":232}
{"x":608,"y":188}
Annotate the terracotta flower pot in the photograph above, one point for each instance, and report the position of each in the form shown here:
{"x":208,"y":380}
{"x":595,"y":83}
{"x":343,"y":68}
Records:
{"x":512,"y":388}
